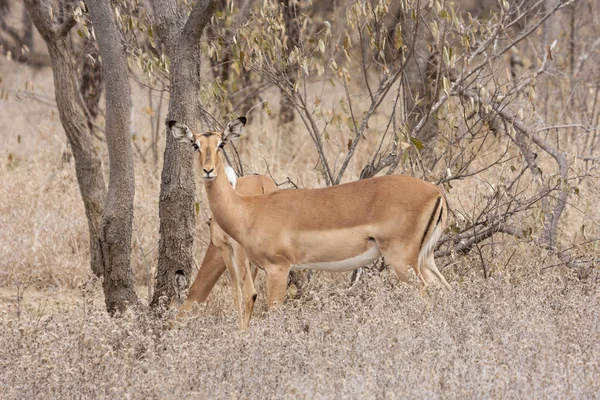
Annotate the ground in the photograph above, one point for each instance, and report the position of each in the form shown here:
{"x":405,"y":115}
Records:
{"x":377,"y":339}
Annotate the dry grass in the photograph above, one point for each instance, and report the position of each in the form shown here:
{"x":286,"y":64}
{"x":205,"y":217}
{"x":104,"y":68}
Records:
{"x":532,"y":330}
{"x":486,"y":339}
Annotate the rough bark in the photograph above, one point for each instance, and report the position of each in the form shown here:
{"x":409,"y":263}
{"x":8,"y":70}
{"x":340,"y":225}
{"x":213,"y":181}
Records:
{"x":181,"y":40}
{"x":115,"y":233}
{"x":91,"y":79}
{"x":88,"y":167}
{"x":290,"y":10}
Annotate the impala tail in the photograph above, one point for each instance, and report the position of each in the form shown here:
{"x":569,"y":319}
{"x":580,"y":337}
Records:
{"x":433,"y":232}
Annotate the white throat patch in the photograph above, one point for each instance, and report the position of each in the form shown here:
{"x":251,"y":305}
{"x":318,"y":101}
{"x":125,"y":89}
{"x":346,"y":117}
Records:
{"x":231,"y":176}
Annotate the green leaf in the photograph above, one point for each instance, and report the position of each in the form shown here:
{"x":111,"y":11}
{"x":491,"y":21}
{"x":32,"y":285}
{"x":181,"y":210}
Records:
{"x":236,"y":67}
{"x":417,"y":143}
{"x":398,"y":37}
{"x":266,"y":107}
{"x":197,"y":205}
{"x":347,"y":42}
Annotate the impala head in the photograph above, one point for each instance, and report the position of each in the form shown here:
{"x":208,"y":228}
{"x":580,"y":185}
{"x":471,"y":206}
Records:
{"x":208,"y":144}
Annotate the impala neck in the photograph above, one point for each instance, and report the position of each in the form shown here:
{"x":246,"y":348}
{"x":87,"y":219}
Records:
{"x":226,"y":204}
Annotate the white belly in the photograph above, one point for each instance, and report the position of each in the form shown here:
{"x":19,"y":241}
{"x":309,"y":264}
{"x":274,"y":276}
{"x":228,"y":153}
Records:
{"x":348,"y":264}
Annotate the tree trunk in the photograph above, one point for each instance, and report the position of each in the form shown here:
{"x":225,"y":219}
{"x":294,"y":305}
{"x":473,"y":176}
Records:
{"x":290,"y":9}
{"x":115,"y":234}
{"x":88,"y":167}
{"x":176,"y":203}
{"x":177,"y":190}
{"x":90,"y":85}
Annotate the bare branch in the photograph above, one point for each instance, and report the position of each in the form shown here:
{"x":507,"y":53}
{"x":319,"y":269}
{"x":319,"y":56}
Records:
{"x":464,"y":75}
{"x":65,"y":27}
{"x":315,"y":135}
{"x":465,"y":242}
{"x":380,"y":94}
{"x":40,"y":11}
{"x":10,"y":31}
{"x":588,"y":158}
{"x":522,"y":132}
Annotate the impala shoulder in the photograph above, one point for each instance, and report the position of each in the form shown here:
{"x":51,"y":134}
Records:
{"x":248,"y":184}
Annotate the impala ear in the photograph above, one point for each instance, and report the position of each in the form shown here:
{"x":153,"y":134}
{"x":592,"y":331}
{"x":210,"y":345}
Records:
{"x":234,"y":129}
{"x":181,"y":132}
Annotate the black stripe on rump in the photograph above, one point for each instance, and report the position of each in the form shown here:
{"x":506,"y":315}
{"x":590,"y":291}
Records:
{"x":431,"y":217}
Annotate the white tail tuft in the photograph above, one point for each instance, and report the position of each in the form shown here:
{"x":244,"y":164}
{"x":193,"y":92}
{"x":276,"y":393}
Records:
{"x":231,"y":175}
{"x":429,"y":244}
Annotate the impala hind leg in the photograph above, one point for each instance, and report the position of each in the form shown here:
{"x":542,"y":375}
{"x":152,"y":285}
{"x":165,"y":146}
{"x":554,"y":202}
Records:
{"x":210,"y":271}
{"x":277,"y":276}
{"x":432,"y":274}
{"x":401,"y":259}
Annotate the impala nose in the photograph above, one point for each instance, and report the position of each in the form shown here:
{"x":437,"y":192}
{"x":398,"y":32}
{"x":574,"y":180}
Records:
{"x":208,"y":171}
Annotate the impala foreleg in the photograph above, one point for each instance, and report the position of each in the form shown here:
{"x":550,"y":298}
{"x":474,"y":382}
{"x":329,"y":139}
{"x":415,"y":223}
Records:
{"x":277,"y":276}
{"x":247,"y":284}
{"x":235,"y":281}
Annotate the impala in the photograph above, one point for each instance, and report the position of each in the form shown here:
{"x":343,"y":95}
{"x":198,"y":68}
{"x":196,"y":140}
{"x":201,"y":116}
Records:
{"x":338,"y":228}
{"x":225,"y":253}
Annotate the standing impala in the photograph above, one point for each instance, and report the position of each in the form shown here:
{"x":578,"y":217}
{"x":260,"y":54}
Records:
{"x":225,"y":253}
{"x":338,"y":228}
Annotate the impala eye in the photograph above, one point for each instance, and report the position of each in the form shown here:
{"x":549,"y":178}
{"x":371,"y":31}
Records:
{"x":196,"y":147}
{"x":221,"y":145}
